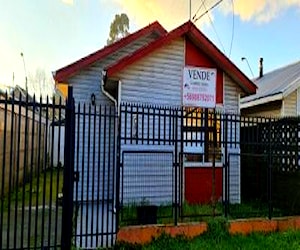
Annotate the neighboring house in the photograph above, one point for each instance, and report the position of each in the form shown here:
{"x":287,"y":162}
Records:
{"x":147,"y":67}
{"x":278,"y":93}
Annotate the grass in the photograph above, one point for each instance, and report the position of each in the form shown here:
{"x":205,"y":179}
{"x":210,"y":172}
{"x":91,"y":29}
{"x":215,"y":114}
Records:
{"x":252,"y":209}
{"x":201,"y":212}
{"x":217,"y":237}
{"x":165,"y":213}
{"x":39,"y":191}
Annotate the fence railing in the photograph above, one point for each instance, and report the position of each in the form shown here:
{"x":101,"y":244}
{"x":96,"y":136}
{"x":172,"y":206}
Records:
{"x":222,"y":163}
{"x":31,"y":213}
{"x":72,"y":174}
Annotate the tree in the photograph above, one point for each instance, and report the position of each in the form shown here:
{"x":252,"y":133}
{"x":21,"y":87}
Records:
{"x":118,"y":28}
{"x":41,"y":83}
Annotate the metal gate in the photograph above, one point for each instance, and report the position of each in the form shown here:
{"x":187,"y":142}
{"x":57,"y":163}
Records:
{"x":94,"y":196}
{"x":58,"y":174}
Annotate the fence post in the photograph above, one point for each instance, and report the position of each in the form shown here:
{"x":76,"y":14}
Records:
{"x":118,"y":165}
{"x":176,"y":164}
{"x":214,"y":202}
{"x":270,"y":171}
{"x":68,"y":179}
{"x":226,"y":164}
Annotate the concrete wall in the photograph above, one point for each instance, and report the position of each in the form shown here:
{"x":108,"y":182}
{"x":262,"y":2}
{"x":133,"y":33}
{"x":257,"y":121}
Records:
{"x":19,"y":154}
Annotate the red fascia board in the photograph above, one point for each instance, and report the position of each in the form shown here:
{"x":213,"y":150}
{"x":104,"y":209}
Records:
{"x":64,"y":73}
{"x":200,"y":41}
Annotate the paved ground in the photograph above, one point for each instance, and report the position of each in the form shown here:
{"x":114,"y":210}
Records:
{"x":95,"y":226}
{"x":25,"y":227}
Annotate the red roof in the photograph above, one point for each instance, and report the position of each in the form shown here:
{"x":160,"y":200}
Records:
{"x":201,"y":41}
{"x":64,"y":73}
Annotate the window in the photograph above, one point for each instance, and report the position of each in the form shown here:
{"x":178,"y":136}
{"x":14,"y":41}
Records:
{"x":201,"y":135}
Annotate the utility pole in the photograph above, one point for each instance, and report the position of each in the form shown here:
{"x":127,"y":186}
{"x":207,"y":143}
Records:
{"x":26,"y":85}
{"x":190,"y":10}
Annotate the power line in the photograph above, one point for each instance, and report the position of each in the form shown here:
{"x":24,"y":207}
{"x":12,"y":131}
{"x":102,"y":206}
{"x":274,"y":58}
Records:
{"x":207,"y":10}
{"x":232,"y":33}
{"x":197,"y":12}
{"x":213,"y":26}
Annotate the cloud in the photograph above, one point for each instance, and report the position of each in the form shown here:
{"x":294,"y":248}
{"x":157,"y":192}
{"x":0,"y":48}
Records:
{"x":68,"y":2}
{"x":260,"y":11}
{"x":171,"y":13}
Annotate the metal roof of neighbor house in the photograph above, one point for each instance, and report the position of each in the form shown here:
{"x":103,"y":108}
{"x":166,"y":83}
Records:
{"x":201,"y":41}
{"x":274,"y":85}
{"x":64,"y":73}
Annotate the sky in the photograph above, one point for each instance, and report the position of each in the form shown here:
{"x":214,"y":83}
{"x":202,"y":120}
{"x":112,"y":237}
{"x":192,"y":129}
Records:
{"x":54,"y":33}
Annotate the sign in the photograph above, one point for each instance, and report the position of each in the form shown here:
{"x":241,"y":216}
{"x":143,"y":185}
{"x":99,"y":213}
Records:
{"x":199,"y":87}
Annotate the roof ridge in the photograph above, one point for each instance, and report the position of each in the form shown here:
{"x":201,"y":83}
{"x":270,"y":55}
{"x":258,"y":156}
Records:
{"x":280,"y":68}
{"x":63,"y":73}
{"x":191,"y":30}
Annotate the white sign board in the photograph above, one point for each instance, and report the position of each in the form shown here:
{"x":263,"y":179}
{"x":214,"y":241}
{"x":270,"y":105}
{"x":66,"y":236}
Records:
{"x":199,"y":87}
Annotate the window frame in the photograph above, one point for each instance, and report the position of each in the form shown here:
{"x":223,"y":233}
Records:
{"x":202,"y":135}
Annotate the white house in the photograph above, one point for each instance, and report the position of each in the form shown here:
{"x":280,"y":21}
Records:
{"x":147,"y":67}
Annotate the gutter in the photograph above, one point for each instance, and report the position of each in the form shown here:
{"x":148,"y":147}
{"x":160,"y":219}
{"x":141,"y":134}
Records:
{"x":104,"y":77}
{"x":262,"y":100}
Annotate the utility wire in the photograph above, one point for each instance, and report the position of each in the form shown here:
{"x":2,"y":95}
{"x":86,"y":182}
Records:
{"x":232,"y":33}
{"x":207,"y":10}
{"x":197,"y":12}
{"x":213,"y":26}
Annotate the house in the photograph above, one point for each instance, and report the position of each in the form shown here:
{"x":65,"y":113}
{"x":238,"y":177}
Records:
{"x":278,"y":93}
{"x":147,"y":68}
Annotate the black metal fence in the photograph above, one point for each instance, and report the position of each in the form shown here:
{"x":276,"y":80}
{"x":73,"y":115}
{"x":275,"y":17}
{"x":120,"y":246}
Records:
{"x":31,"y":173}
{"x":72,"y":174}
{"x":271,"y":165}
{"x":217,"y":164}
{"x":95,"y":222}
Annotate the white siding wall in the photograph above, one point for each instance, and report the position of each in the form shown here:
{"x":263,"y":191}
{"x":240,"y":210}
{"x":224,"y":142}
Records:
{"x":156,"y":80}
{"x":88,"y":80}
{"x":290,"y":104}
{"x":231,"y":105}
{"x":148,"y":177}
{"x":231,"y":95}
{"x":85,"y":83}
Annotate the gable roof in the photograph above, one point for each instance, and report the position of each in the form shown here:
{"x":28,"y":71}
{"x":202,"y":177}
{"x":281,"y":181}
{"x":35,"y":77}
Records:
{"x":64,"y":73}
{"x":274,"y":85}
{"x":201,"y":41}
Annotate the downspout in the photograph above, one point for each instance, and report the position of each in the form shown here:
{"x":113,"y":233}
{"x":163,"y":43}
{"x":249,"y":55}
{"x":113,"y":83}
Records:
{"x":117,"y":146}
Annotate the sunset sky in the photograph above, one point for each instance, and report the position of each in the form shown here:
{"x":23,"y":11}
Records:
{"x":54,"y":33}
